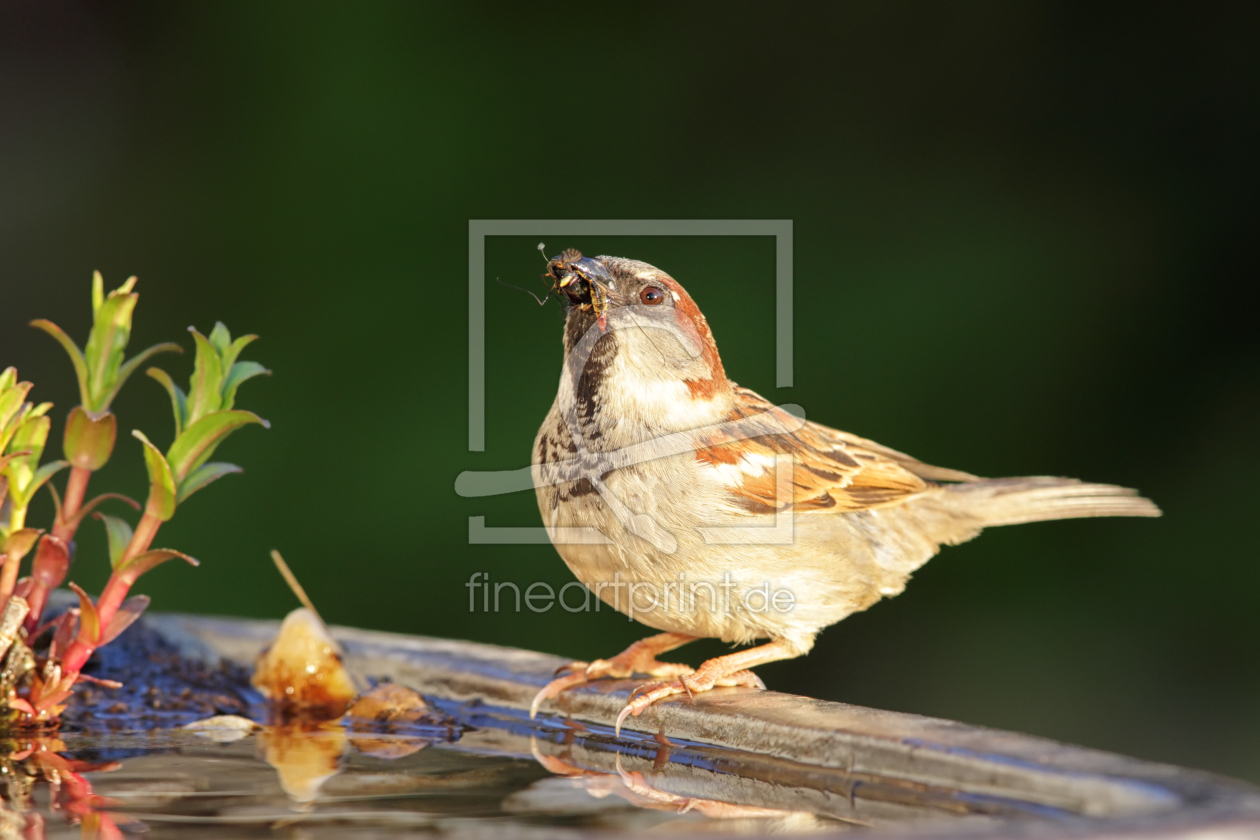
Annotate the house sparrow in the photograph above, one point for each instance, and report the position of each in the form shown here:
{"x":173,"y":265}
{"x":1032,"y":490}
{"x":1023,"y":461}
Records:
{"x":703,"y":510}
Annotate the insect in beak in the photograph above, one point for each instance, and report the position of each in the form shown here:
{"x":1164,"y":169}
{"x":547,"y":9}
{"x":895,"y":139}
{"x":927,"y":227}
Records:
{"x":584,"y":281}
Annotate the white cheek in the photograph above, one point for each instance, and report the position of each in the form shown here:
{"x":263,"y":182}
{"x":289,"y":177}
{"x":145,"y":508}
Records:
{"x":660,"y":397}
{"x":664,"y":402}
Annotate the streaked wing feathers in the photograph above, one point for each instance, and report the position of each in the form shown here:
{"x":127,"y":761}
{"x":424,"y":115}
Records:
{"x":830,"y":468}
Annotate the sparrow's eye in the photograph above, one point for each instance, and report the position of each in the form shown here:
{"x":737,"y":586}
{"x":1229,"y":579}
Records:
{"x":651,"y":296}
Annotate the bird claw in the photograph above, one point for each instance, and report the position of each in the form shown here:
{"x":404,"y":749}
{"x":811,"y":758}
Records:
{"x":556,"y":686}
{"x":571,"y":667}
{"x":691,"y":684}
{"x":647,"y":694}
{"x":619,"y":667}
{"x":744,"y":679}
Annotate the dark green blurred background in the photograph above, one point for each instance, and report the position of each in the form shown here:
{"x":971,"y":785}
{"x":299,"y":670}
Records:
{"x":1025,"y":244}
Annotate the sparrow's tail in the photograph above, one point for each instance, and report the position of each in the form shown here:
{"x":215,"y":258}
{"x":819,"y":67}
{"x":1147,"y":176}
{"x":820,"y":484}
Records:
{"x":1011,"y":501}
{"x":950,"y":514}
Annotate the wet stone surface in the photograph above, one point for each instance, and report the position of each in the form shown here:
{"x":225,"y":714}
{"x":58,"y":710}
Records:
{"x":450,"y":750}
{"x":161,"y":688}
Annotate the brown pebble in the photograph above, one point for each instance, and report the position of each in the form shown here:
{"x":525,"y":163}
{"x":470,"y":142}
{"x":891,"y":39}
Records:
{"x":389,"y":703}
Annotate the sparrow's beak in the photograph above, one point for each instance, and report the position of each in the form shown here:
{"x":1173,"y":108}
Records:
{"x":576,"y":281}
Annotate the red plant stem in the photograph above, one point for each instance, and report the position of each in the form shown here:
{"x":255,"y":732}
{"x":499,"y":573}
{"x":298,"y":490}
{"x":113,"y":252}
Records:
{"x":114,"y":593}
{"x":8,"y":576}
{"x":37,"y":598}
{"x":142,"y":537}
{"x":77,"y":656}
{"x":44,"y":579}
{"x":76,"y":489}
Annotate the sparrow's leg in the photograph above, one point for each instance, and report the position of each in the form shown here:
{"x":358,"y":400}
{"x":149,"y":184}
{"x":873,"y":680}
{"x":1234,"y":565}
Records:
{"x":639,"y":658}
{"x":726,"y":670}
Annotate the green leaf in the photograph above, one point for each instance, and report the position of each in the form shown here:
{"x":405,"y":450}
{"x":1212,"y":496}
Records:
{"x":31,"y":435}
{"x":106,"y":343}
{"x":8,"y":378}
{"x":161,"y":501}
{"x":76,"y":357}
{"x":220,"y":338}
{"x":8,"y":433}
{"x":88,"y":442}
{"x":179,"y":402}
{"x":194,"y":447}
{"x":131,"y":570}
{"x":89,"y":618}
{"x":39,"y":410}
{"x":202,"y":476}
{"x":4,"y":462}
{"x":11,"y":402}
{"x":46,"y":472}
{"x":38,"y":479}
{"x":241,"y":371}
{"x":98,"y":292}
{"x":124,"y":373}
{"x":205,"y":388}
{"x":20,"y":542}
{"x":234,"y":350}
{"x":119,"y":533}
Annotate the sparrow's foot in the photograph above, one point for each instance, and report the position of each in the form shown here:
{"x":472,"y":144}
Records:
{"x":639,"y":658}
{"x":725,"y":671}
{"x":689,"y":684}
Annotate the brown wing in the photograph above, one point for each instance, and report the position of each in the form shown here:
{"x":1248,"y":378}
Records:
{"x":830,"y":469}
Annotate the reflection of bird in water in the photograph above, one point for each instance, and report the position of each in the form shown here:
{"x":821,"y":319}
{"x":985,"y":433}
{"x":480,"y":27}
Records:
{"x":634,"y":788}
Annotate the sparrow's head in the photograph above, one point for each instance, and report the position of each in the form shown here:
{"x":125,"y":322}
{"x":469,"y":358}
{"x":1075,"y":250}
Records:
{"x":641,"y":315}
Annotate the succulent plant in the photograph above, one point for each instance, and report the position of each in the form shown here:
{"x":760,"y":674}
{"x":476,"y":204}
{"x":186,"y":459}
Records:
{"x":23,"y":434}
{"x":204,"y":417}
{"x":91,"y":428}
{"x":99,"y":366}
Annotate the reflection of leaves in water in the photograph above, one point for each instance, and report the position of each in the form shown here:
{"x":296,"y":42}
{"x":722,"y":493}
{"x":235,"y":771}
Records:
{"x":28,"y":763}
